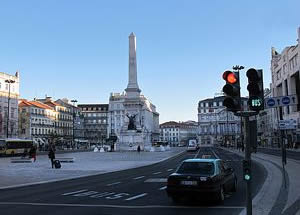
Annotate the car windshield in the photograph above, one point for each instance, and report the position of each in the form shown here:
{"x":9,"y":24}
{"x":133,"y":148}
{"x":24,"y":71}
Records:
{"x":201,"y":168}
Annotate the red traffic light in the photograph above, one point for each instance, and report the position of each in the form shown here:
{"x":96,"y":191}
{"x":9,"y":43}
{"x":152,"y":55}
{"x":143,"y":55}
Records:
{"x":230,"y":77}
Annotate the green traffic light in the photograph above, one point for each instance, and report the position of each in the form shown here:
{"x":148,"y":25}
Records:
{"x":247,"y":177}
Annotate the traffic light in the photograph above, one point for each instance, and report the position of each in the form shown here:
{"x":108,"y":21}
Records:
{"x":256,"y":89}
{"x":247,"y":170}
{"x":231,"y":89}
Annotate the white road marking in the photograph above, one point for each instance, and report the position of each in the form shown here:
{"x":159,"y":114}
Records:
{"x":86,"y":193}
{"x":160,"y":180}
{"x":136,"y":197}
{"x":169,"y":170}
{"x":117,"y":196}
{"x":113,"y":183}
{"x":215,"y":154}
{"x":114,"y":206}
{"x":163,"y":188}
{"x":100,"y":195}
{"x":156,"y":173}
{"x":139,"y":177}
{"x":79,"y":191}
{"x":197,"y":154}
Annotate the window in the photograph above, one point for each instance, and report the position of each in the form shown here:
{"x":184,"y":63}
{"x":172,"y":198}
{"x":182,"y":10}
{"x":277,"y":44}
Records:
{"x":203,"y":168}
{"x":278,"y":75}
{"x":284,"y":68}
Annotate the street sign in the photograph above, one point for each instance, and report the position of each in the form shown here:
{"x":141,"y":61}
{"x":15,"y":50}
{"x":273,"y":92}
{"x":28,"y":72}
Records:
{"x":281,"y":101}
{"x":287,"y":124}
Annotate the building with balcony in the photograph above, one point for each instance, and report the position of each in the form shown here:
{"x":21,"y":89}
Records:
{"x":36,"y":122}
{"x":216,"y":124}
{"x":63,"y":131}
{"x":95,"y":122}
{"x":285,"y":69}
{"x":178,"y":133}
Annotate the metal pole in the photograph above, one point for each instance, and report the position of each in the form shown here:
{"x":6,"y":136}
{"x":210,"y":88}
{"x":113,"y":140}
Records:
{"x":283,"y":154}
{"x":248,"y":158}
{"x":8,"y":105}
{"x":7,"y":123}
{"x":73,"y":117}
{"x":227,"y":132}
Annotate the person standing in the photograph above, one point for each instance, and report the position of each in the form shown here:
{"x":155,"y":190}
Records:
{"x":139,"y":149}
{"x":51,"y":155}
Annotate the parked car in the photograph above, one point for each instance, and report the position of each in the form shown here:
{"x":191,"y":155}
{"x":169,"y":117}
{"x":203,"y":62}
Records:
{"x":208,"y":178}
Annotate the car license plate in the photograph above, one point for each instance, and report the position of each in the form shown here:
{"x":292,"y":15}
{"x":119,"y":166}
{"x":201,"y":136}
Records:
{"x":191,"y":183}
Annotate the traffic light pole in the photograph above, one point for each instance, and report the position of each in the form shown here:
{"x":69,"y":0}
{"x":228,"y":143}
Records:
{"x":246,"y":115}
{"x":248,"y":158}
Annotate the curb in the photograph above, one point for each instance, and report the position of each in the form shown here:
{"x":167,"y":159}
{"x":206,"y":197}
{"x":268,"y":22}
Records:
{"x":77,"y":177}
{"x":262,"y":203}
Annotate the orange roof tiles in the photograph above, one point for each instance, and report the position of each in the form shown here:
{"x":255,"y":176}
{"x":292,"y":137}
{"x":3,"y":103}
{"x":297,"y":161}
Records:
{"x":41,"y":105}
{"x":24,"y":102}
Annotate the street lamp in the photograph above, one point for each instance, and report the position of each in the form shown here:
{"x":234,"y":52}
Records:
{"x":9,"y":81}
{"x":73,"y":135}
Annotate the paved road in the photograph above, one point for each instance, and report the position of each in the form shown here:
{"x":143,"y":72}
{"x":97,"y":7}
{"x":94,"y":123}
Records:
{"x":134,"y":191}
{"x":290,"y":154}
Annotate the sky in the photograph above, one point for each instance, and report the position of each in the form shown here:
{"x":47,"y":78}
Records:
{"x":79,"y":49}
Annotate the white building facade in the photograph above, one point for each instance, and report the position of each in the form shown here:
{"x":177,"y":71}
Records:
{"x":285,"y":69}
{"x":178,"y":133}
{"x":215,"y":124}
{"x":9,"y":91}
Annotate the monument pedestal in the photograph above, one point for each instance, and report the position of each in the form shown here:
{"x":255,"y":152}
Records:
{"x":130,"y":140}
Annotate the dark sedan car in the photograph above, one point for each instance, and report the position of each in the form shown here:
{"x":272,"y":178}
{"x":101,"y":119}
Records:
{"x":201,"y":178}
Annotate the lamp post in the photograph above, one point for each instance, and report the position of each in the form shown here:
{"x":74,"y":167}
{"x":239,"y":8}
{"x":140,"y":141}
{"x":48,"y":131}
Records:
{"x":73,"y":135}
{"x":9,"y":81}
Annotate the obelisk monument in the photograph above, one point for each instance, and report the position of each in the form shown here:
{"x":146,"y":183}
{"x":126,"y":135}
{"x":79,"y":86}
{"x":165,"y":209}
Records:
{"x":132,"y":89}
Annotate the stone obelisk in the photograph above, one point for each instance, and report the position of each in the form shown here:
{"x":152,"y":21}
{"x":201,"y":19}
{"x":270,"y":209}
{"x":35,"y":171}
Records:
{"x":132,"y":89}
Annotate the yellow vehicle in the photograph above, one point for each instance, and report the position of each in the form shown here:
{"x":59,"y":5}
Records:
{"x":14,"y":146}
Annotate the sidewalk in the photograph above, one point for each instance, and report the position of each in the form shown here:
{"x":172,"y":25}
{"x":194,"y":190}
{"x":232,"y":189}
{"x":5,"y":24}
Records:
{"x":276,"y":148}
{"x":86,"y":164}
{"x":274,"y":198}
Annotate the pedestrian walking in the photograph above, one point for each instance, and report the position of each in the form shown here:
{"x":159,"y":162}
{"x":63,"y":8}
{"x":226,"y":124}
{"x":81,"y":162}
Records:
{"x":32,"y":152}
{"x":51,"y":155}
{"x":139,"y":149}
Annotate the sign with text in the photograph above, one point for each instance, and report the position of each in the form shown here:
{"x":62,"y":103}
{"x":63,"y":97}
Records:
{"x":287,"y":124}
{"x":281,"y":101}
